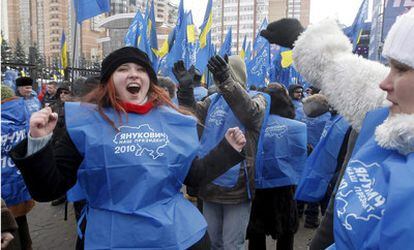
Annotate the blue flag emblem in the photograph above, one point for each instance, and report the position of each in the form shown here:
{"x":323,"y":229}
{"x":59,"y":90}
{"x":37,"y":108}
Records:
{"x":358,"y":200}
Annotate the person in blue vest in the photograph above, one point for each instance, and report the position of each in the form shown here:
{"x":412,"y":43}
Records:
{"x":130,"y":151}
{"x":278,"y":171}
{"x":315,"y":115}
{"x":322,"y":167}
{"x":14,"y":127}
{"x":24,"y":88}
{"x":296,"y":95}
{"x":373,"y":203}
{"x":227,"y":199}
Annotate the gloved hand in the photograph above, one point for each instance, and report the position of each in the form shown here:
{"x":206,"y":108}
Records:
{"x":219,"y":68}
{"x":185,"y":77}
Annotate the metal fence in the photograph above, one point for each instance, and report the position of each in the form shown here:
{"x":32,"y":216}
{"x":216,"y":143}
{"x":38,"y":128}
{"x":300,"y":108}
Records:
{"x":45,"y":74}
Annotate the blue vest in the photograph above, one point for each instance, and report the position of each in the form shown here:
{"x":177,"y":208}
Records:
{"x":283,"y":156}
{"x":299,"y":113}
{"x":32,"y":103}
{"x":321,"y":164}
{"x":315,"y":127}
{"x":374,"y":203}
{"x":219,"y":119}
{"x":132,"y":178}
{"x":200,"y":92}
{"x":14,"y":129}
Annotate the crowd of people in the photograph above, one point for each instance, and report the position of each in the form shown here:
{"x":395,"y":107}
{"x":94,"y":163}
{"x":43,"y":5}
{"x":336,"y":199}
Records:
{"x":122,"y":146}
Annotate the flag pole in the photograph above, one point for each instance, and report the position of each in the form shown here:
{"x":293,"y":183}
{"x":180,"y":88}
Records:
{"x":74,"y":51}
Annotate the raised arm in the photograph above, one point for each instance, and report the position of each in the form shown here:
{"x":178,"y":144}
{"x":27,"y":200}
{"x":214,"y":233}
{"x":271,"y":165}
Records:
{"x":323,"y":55}
{"x":52,"y":170}
{"x":185,"y":92}
{"x":248,"y":110}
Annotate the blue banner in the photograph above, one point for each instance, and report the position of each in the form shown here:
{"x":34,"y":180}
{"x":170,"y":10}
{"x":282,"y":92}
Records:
{"x":393,"y":8}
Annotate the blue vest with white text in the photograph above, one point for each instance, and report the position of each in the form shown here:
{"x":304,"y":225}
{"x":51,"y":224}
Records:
{"x":374,"y":202}
{"x":219,"y":119}
{"x":315,"y":127}
{"x":14,"y":129}
{"x":283,"y":155}
{"x":322,"y":162}
{"x":132,"y":178}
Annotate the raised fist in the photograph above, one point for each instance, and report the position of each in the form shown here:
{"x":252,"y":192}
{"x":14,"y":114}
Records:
{"x":43,"y":122}
{"x":235,"y":138}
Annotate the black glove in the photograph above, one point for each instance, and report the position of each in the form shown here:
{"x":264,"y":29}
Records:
{"x":219,"y":68}
{"x":185,"y":77}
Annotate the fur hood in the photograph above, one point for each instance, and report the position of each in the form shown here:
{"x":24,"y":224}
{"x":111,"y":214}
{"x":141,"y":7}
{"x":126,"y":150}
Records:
{"x":397,"y":132}
{"x":315,"y":105}
{"x":323,"y":56}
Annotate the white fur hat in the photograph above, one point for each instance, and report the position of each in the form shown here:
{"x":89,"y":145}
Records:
{"x":399,"y":44}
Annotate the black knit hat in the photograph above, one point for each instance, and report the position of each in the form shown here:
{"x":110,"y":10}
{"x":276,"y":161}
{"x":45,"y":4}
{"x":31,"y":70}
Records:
{"x":126,"y":55}
{"x":24,"y":81}
{"x":283,"y":32}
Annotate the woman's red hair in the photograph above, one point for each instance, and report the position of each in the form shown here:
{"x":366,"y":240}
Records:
{"x":105,"y":97}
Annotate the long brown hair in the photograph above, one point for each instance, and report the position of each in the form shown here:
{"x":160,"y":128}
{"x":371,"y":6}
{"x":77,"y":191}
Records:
{"x":105,"y":97}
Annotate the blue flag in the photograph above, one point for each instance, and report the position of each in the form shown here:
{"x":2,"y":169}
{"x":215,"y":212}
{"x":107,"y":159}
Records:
{"x":260,"y":41}
{"x":205,"y":49}
{"x":179,"y":48}
{"x":282,"y":70}
{"x":86,"y":9}
{"x":192,"y":45}
{"x":134,"y":34}
{"x":258,"y":68}
{"x":358,"y":24}
{"x":152,"y":47}
{"x":225,"y":48}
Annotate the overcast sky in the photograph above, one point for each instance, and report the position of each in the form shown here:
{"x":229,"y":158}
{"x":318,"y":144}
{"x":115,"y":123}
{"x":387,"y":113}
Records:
{"x":343,"y":10}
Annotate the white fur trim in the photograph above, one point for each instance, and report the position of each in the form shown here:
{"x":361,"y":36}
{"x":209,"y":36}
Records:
{"x":322,"y":55}
{"x":351,"y":85}
{"x":397,"y":132}
{"x":316,"y":48}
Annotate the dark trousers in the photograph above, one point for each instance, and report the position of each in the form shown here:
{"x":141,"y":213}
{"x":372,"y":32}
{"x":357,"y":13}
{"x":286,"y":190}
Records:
{"x":78,"y":206}
{"x":203,"y":244}
{"x":258,"y":242}
{"x":22,"y":236}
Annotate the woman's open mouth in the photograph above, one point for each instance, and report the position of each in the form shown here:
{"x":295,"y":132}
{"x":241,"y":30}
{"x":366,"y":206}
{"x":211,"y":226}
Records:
{"x":133,"y":88}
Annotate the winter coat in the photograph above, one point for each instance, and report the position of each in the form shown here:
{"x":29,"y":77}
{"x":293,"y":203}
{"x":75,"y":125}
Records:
{"x":49,"y":100}
{"x":250,"y":112}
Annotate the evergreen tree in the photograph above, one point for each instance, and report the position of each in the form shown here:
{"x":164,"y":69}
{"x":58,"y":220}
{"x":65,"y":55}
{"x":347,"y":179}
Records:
{"x":19,"y":55}
{"x":6,"y":51}
{"x":35,"y":57}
